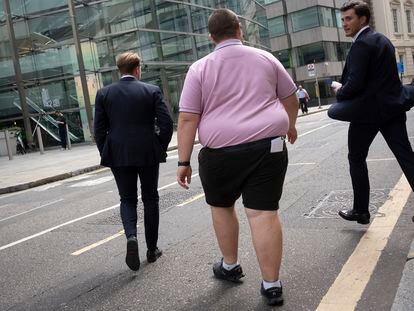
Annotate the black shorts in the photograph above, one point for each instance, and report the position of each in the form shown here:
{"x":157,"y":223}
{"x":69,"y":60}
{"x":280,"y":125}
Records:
{"x":247,"y":169}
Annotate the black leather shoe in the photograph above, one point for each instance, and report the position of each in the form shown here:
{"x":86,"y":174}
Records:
{"x":233,"y":275}
{"x":273,"y":295}
{"x":132,"y":256}
{"x":152,"y":256}
{"x":352,"y":215}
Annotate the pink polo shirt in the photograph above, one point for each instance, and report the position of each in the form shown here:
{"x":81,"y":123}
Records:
{"x":236,"y":90}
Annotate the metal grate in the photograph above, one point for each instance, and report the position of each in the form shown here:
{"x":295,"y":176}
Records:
{"x":168,"y":199}
{"x":330,"y":204}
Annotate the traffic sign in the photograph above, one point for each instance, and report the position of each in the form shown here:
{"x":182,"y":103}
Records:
{"x":311,"y":70}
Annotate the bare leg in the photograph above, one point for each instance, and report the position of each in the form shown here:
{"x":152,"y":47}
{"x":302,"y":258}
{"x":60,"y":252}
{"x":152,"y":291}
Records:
{"x":267,"y":241}
{"x":226,"y":226}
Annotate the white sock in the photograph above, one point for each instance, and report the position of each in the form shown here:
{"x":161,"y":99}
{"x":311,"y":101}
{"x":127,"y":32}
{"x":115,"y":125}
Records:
{"x":267,"y":285}
{"x":229,"y":267}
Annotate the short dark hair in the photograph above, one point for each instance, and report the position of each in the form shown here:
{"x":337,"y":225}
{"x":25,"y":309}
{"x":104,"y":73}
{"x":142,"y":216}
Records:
{"x":223,"y":24}
{"x":127,"y":62}
{"x":361,"y":8}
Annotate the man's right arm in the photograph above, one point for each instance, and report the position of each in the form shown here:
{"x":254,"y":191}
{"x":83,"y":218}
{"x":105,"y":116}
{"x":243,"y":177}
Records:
{"x":101,"y":122}
{"x":186,"y":131}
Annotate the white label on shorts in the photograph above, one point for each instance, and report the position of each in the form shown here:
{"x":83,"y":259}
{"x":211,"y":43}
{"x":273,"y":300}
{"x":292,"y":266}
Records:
{"x":277,"y":145}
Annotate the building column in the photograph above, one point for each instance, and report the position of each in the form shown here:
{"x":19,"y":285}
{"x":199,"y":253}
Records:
{"x":18,"y":74}
{"x":81,"y":66}
{"x":163,"y":73}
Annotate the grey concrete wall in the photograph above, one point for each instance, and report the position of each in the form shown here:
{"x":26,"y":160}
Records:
{"x":279,"y":43}
{"x":274,"y":10}
{"x":324,"y":70}
{"x":314,"y":35}
{"x":298,"y":5}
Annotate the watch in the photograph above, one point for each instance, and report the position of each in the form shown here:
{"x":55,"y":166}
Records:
{"x":184,"y":163}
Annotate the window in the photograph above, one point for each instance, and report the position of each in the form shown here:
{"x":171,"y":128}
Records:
{"x":408,"y":13}
{"x":395,"y":19}
{"x":326,"y":17}
{"x":305,"y":19}
{"x":338,"y":17}
{"x":314,"y":17}
{"x":310,"y":53}
{"x":284,"y":58}
{"x":277,"y":26}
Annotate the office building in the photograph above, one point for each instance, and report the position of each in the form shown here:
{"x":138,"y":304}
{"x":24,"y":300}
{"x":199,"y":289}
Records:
{"x":51,"y":59}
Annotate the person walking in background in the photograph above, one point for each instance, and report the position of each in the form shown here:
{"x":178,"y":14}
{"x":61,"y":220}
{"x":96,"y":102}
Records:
{"x":370,"y":80}
{"x":61,"y":121}
{"x":243,"y":103}
{"x":303,"y":99}
{"x":132,"y":131}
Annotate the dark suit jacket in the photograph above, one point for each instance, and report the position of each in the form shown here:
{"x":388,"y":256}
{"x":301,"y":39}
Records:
{"x":126,"y":115}
{"x":370,"y":79}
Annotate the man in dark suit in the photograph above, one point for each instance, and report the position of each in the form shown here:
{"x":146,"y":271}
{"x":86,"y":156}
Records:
{"x":370,"y":79}
{"x":132,"y":130}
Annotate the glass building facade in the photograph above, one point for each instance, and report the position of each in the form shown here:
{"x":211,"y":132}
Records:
{"x":168,"y":35}
{"x":308,"y":32}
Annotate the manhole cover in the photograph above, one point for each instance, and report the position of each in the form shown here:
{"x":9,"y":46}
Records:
{"x":168,"y":199}
{"x":330,"y":205}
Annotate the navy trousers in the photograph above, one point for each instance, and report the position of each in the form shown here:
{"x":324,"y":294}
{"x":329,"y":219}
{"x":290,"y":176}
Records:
{"x":360,"y":137}
{"x":126,"y":180}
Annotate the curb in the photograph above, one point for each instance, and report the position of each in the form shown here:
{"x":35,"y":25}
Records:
{"x":47,"y":180}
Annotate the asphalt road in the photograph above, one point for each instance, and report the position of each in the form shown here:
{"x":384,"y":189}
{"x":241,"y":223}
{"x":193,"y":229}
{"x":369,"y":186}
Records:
{"x":61,"y":245}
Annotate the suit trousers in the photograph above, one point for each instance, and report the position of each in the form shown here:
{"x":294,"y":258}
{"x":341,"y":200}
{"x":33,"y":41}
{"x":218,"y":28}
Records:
{"x":126,"y":178}
{"x":360,"y":137}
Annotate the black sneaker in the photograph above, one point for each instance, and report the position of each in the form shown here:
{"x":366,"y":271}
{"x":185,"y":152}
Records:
{"x":233,"y":275}
{"x":152,"y":256}
{"x":273,"y":295}
{"x":132,"y":256}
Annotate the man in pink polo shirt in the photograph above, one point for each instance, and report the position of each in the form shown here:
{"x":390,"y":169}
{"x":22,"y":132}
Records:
{"x":243,"y":103}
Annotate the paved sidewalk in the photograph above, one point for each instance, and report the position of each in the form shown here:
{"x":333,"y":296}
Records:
{"x":33,"y":169}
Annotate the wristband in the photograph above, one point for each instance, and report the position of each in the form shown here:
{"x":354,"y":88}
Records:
{"x":184,"y":163}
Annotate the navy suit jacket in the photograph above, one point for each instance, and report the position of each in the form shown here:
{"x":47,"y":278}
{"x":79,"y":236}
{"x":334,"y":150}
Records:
{"x":132,"y":124}
{"x":370,"y":79}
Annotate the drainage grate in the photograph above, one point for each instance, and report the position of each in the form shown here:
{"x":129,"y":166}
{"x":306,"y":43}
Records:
{"x":330,"y":205}
{"x":168,"y":199}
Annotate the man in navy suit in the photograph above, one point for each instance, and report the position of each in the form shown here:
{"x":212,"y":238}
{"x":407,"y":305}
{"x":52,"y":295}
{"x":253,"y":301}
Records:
{"x":132,"y":131}
{"x":370,"y":80}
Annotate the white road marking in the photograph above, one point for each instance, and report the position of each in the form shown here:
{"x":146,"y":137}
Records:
{"x":93,"y":182}
{"x":75,"y":220}
{"x":80,"y":177}
{"x":318,"y":128}
{"x":57,"y":227}
{"x":194,"y":198}
{"x":5,"y":205}
{"x":30,"y":210}
{"x":92,"y":246}
{"x":348,"y":287}
{"x":385,"y":159}
{"x":303,"y":163}
{"x":47,"y":187}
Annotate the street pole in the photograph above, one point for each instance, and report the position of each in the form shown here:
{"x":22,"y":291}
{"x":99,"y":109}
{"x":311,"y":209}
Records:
{"x":18,"y":73}
{"x":81,"y":65}
{"x":317,"y":86}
